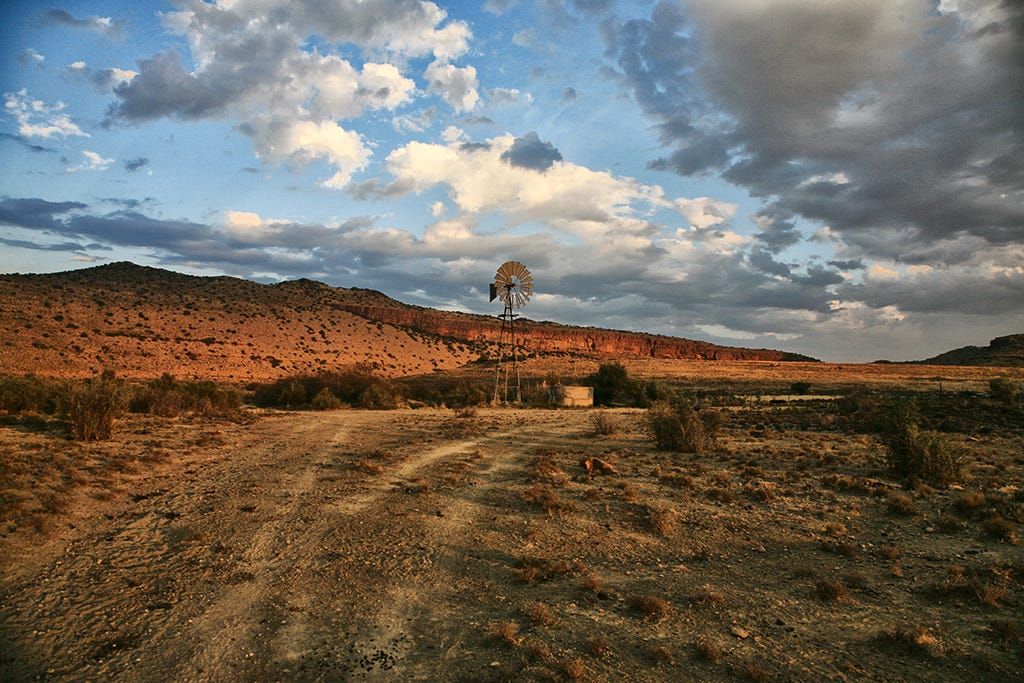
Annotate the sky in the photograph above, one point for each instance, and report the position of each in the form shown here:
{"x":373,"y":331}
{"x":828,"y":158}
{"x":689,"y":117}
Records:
{"x":839,"y":179}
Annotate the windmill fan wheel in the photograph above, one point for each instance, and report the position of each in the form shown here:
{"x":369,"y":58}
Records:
{"x":513,"y":283}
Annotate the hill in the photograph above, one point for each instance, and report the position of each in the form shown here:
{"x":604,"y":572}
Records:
{"x":142,"y":322}
{"x":1005,"y":351}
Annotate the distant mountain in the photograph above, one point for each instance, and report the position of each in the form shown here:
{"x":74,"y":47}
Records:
{"x":1005,"y":351}
{"x":142,"y":322}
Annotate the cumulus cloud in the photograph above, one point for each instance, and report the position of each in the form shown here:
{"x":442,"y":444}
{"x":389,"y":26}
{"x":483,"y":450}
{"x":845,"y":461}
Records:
{"x":29,"y":57}
{"x":291,"y":99}
{"x":876,"y":118}
{"x":456,"y":85}
{"x":36,"y":119}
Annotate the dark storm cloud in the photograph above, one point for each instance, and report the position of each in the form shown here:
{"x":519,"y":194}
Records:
{"x":852,"y":264}
{"x":136,"y":164}
{"x":164,"y":88}
{"x":529,"y":151}
{"x":35,"y":213}
{"x":59,"y":17}
{"x":862,"y":116}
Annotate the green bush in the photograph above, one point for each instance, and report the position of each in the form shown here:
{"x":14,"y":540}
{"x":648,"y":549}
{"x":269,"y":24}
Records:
{"x":1002,"y":390}
{"x":91,"y":406}
{"x":168,"y":397}
{"x":678,"y":426}
{"x":26,"y":394}
{"x":612,"y":384}
{"x":914,"y":454}
{"x":325,"y":400}
{"x":357,"y":386}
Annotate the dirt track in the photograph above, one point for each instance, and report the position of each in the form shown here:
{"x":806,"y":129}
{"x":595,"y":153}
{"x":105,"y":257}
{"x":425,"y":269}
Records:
{"x":284,"y":560}
{"x":429,"y":545}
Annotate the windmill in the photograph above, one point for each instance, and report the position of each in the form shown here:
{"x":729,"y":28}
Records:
{"x":513,"y":284}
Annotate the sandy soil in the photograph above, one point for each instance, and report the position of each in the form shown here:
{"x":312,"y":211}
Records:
{"x":435,"y":545}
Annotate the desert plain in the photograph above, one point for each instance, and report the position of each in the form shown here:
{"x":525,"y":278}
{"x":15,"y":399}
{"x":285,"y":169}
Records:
{"x":475,"y":544}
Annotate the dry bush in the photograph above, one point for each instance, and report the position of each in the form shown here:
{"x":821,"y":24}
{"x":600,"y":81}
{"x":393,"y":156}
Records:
{"x":91,"y":406}
{"x":540,"y":613}
{"x":653,"y":607}
{"x":679,"y":481}
{"x":546,"y":471}
{"x":533,"y":569}
{"x":537,"y":650}
{"x":592,"y":582}
{"x":326,"y":400}
{"x":506,"y":632}
{"x":605,"y":423}
{"x":722,"y":495}
{"x":709,"y":599}
{"x":916,"y":455}
{"x":708,"y":649}
{"x":550,"y":501}
{"x":763,"y":491}
{"x":1000,"y":528}
{"x":900,"y":504}
{"x":677,"y":426}
{"x":971,"y":502}
{"x":662,"y":655}
{"x":1005,"y":631}
{"x":917,"y":640}
{"x":832,"y":591}
{"x":574,"y":669}
{"x":662,"y":518}
{"x":949,"y":523}
{"x":752,"y":670}
{"x":600,"y":646}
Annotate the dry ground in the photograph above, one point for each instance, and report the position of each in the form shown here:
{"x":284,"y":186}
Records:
{"x":439,"y":545}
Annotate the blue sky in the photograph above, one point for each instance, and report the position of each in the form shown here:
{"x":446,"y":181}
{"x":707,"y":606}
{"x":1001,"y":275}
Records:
{"x":844,"y":180}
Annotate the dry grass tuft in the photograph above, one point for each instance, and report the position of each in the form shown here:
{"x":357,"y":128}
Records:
{"x":900,"y":504}
{"x":574,"y":669}
{"x":548,"y":500}
{"x":662,"y":655}
{"x":605,"y":423}
{"x":540,"y":613}
{"x":832,"y":591}
{"x":918,"y":640}
{"x":1000,"y":528}
{"x":662,"y":518}
{"x":600,"y":646}
{"x":752,"y":670}
{"x":507,"y":632}
{"x":1005,"y":631}
{"x":710,"y":650}
{"x":653,"y":607}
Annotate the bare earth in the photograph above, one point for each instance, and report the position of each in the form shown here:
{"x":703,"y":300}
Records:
{"x":435,"y":545}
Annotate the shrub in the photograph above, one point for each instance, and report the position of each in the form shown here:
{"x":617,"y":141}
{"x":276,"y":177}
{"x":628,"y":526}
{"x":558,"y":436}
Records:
{"x":26,"y":394}
{"x":612,"y":384}
{"x":1002,"y":390}
{"x":605,"y":424}
{"x":917,"y":455}
{"x":325,"y":400}
{"x":800,"y":388}
{"x":679,"y":427}
{"x":357,"y":386}
{"x":168,"y":397}
{"x":90,"y":407}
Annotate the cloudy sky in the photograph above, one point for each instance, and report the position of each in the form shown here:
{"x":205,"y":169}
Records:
{"x":842,"y":179}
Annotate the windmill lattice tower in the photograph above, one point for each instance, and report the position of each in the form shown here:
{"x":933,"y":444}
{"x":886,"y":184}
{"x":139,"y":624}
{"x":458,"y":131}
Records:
{"x":513,"y":284}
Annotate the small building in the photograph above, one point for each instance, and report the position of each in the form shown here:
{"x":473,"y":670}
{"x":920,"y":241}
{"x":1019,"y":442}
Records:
{"x":572,"y":396}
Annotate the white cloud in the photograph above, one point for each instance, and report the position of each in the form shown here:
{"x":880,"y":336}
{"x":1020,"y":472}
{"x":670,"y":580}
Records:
{"x":36,"y":119}
{"x":93,"y":162}
{"x":457,"y":86}
{"x":703,"y":212}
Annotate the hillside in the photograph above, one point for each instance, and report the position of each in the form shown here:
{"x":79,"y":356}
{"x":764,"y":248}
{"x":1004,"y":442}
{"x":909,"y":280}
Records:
{"x":1005,"y":351}
{"x":141,"y":322}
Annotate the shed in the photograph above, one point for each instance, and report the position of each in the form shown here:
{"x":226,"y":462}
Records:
{"x":572,"y":396}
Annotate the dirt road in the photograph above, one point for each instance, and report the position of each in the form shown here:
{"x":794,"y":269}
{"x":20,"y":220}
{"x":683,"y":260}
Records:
{"x":434,"y":545}
{"x":322,"y":548}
